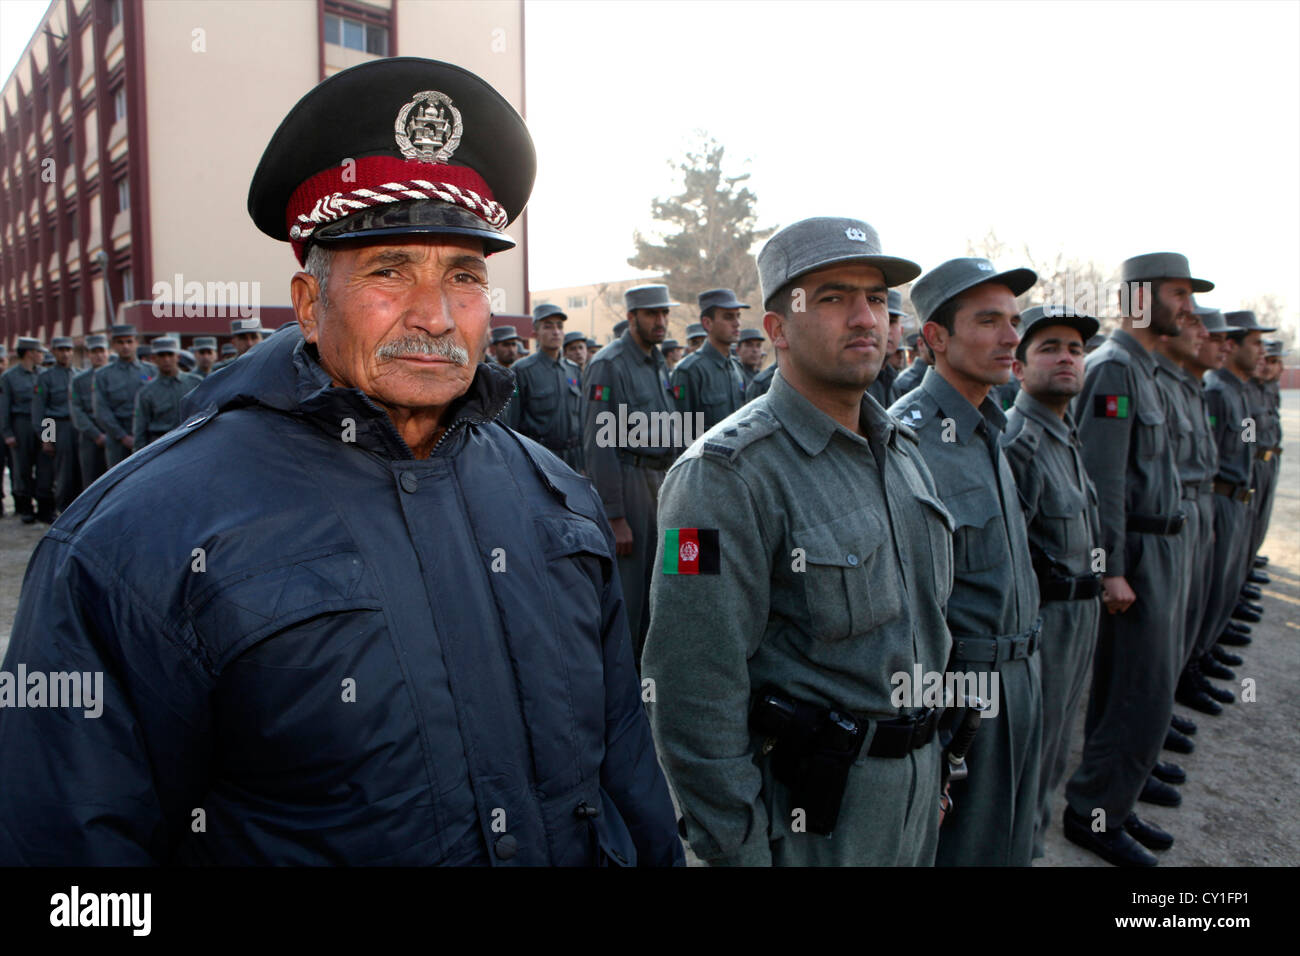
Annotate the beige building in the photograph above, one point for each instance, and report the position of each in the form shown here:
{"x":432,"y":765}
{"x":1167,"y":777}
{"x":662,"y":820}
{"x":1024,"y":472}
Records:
{"x":596,"y":309}
{"x":129,"y":131}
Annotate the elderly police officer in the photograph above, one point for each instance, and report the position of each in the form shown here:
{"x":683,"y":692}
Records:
{"x":709,"y":381}
{"x":56,"y":465}
{"x":969,"y":318}
{"x":90,"y":437}
{"x":547,"y":405}
{"x":158,"y":404}
{"x":1060,"y":506}
{"x":629,"y":377}
{"x":115,"y":388}
{"x":804,"y":565}
{"x":17,"y":390}
{"x":1124,"y":426}
{"x":370,"y":658}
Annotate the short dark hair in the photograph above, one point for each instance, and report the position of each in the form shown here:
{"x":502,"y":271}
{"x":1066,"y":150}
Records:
{"x":1134,"y":285}
{"x":946,"y":315}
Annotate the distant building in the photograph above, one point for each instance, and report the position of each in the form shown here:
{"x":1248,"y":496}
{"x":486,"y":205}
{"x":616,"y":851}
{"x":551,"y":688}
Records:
{"x":129,"y":131}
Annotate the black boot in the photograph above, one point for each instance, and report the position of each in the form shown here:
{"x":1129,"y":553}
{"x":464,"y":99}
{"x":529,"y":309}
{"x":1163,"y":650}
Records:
{"x":1210,"y":667}
{"x":1169,"y":772}
{"x":1183,"y":725}
{"x":1148,"y":834}
{"x":1114,"y":846}
{"x":1221,"y":694}
{"x":1250,"y":592}
{"x":1258,"y":577}
{"x":1233,"y":638}
{"x":1261,"y":561}
{"x":1239,"y":628}
{"x":1189,"y":692}
{"x":1243,"y":613}
{"x":1161,"y":794}
{"x":1178,"y":743}
{"x":1226,"y":657}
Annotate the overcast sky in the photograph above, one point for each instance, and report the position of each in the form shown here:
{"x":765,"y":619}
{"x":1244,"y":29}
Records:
{"x":1100,"y":129}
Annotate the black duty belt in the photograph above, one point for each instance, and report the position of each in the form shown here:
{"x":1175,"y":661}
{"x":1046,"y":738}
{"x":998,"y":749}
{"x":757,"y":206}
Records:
{"x":656,"y":463}
{"x":900,"y":736}
{"x":1156,"y":524}
{"x":1081,"y":588}
{"x":1241,"y":492}
{"x":997,"y":650}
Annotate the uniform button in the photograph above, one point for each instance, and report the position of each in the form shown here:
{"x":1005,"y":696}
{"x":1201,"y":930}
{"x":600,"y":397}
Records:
{"x":409,"y":483}
{"x":852,"y":559}
{"x":506,"y":847}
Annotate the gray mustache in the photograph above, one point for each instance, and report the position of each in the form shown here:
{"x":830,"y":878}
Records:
{"x":443,"y":348}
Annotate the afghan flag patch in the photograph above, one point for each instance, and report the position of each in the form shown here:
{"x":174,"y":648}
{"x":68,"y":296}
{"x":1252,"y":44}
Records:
{"x":599,"y":393}
{"x":691,"y":551}
{"x":1110,"y":406}
{"x":677,"y":391}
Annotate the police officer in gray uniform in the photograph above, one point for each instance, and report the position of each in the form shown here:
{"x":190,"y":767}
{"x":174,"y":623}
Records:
{"x":1268,"y":442}
{"x":696,"y":335}
{"x":244,"y":335}
{"x":547,"y":405}
{"x":709,"y":381}
{"x":158,"y":404}
{"x":575,"y":349}
{"x":627,"y":466}
{"x":882,"y":389}
{"x":116,"y":385}
{"x":1060,"y":506}
{"x":90,"y":437}
{"x":804,"y":564}
{"x":56,"y":464}
{"x":17,"y":390}
{"x":205,"y":354}
{"x":911,"y":376}
{"x":1126,"y":445}
{"x":762,"y":381}
{"x":749,"y":353}
{"x":969,"y":318}
{"x":1270,"y":373}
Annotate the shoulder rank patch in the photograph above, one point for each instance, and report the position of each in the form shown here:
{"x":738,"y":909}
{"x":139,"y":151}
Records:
{"x":1110,"y":406}
{"x":691,"y":551}
{"x":599,"y":393}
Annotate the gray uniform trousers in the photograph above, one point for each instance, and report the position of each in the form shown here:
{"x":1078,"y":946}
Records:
{"x":641,"y":501}
{"x":1203,"y":569}
{"x":92,"y":459}
{"x":56,"y":475}
{"x":114,"y":450}
{"x":1231,"y":538}
{"x":22,"y":463}
{"x":1132,"y":684}
{"x":1266,"y":473}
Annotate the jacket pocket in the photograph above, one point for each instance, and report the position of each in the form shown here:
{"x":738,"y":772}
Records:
{"x":978,"y":540}
{"x":1150,"y":432}
{"x":1064,"y":521}
{"x":851,"y":582}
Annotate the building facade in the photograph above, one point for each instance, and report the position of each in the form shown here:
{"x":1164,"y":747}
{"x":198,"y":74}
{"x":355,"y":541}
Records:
{"x":129,"y":132}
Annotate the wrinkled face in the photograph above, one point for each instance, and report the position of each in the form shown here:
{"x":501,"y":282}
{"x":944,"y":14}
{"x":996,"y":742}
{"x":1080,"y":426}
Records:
{"x":63,"y":356}
{"x":1053,"y":366}
{"x":723,"y":326}
{"x":550,"y":333}
{"x":750,"y":352}
{"x":649,"y":325}
{"x":243,"y":341}
{"x":838,"y":340}
{"x":205,"y":358}
{"x":124,"y":346}
{"x":576,"y":352}
{"x":406,"y":318}
{"x":985,"y":334}
{"x":98,"y":357}
{"x":167,"y":362}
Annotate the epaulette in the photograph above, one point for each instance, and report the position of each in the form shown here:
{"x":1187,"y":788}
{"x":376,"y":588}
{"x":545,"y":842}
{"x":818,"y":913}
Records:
{"x":1023,"y":433}
{"x":727,"y":443}
{"x":1108,"y":353}
{"x":914,"y":416}
{"x":907,"y":431}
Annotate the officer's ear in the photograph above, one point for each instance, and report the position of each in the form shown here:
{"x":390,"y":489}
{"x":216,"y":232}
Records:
{"x":304,"y":291}
{"x":936,"y":337}
{"x":774,"y":326}
{"x":1018,"y":369}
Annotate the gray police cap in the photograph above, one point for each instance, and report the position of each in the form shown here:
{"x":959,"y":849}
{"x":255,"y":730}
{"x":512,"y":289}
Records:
{"x":548,"y":310}
{"x":242,"y":326}
{"x":1095,"y":342}
{"x":955,"y":276}
{"x":204,"y":342}
{"x":620,"y":327}
{"x":504,"y":333}
{"x":571,"y":337}
{"x":648,"y":297}
{"x":911,"y":340}
{"x":27,"y":344}
{"x":1244,"y":321}
{"x":592,"y":344}
{"x":1273,"y":349}
{"x":165,"y":344}
{"x":1045,"y":316}
{"x":667,"y":345}
{"x":1161,"y":265}
{"x":1211,"y":318}
{"x":229,"y":349}
{"x":120,"y":331}
{"x":812,"y":244}
{"x":751,"y":335}
{"x":719,"y":299}
{"x":896,"y":302}
{"x":97,"y":341}
{"x":61,"y":342}
{"x":695,"y":331}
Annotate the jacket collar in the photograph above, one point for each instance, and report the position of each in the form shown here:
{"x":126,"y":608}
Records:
{"x":1126,"y":340}
{"x":811,"y":428}
{"x":1030,"y":407}
{"x":954,"y":405}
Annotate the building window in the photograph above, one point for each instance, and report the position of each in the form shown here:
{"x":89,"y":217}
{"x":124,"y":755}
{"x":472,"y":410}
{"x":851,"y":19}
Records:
{"x":67,"y":149}
{"x":65,"y":73}
{"x":119,"y":104}
{"x":577,"y":301}
{"x":128,"y":288}
{"x":356,"y":35}
{"x":72,"y":224}
{"x":123,"y":195}
{"x":115,"y":13}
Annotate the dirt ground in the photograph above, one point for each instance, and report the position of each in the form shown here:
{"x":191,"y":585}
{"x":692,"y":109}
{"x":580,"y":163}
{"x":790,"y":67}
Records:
{"x":1239,"y":805}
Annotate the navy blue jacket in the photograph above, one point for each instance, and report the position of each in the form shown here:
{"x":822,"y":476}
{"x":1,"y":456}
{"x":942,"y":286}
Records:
{"x":317,"y":649}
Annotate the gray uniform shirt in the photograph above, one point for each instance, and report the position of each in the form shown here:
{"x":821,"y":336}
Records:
{"x":53,"y":387}
{"x":1058,"y":497}
{"x":709,"y":382}
{"x":1182,"y":425}
{"x":909,"y":377}
{"x":1126,"y":443}
{"x":834,"y":563}
{"x":995,"y":592}
{"x":622,"y":380}
{"x":83,"y":404}
{"x":116,"y":385}
{"x":1225,"y":400}
{"x":17,"y":390}
{"x":761,"y":383}
{"x":158,"y":406}
{"x":547,"y":405}
{"x":1206,"y":464}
